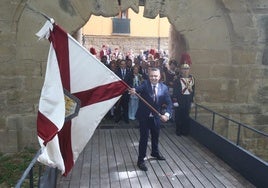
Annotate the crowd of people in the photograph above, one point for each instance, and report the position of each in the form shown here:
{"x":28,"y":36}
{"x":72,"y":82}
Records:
{"x":134,"y":69}
{"x":166,"y":86}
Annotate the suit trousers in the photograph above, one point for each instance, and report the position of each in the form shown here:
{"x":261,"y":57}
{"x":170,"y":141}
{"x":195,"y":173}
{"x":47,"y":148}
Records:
{"x":182,"y":121}
{"x":146,"y":126}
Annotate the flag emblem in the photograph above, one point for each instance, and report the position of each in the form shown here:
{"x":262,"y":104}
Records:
{"x":72,"y":105}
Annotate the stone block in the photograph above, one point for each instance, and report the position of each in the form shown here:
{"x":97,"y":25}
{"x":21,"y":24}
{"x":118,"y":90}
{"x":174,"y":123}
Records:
{"x":11,"y":83}
{"x":241,"y":72}
{"x":7,"y":69}
{"x":222,"y":71}
{"x":27,"y":133}
{"x":242,"y":56}
{"x":210,"y":57}
{"x":28,"y":69}
{"x":242,"y":25}
{"x":9,"y":141}
{"x":12,"y":122}
{"x":7,"y":53}
{"x":8,"y":9}
{"x":2,"y":123}
{"x":217,"y":90}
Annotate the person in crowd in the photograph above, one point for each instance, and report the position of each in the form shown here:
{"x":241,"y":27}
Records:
{"x":158,"y":64}
{"x":93,"y":51}
{"x":113,"y":67}
{"x":136,"y":62}
{"x":129,"y":64}
{"x":104,"y":60}
{"x":116,"y":52}
{"x":144,"y":69}
{"x":134,"y":100}
{"x":156,"y":94}
{"x":103,"y":51}
{"x":121,"y":107}
{"x":150,"y":57}
{"x":170,"y":73}
{"x":183,"y":96}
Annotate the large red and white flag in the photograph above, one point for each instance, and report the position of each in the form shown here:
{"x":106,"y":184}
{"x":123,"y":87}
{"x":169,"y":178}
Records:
{"x":78,"y":91}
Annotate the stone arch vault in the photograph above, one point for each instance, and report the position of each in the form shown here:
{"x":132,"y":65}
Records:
{"x":227,"y":42}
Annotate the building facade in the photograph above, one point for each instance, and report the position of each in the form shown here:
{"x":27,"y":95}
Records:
{"x":127,"y":31}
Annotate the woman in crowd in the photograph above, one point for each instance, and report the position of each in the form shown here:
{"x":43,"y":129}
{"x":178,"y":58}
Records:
{"x":134,"y":100}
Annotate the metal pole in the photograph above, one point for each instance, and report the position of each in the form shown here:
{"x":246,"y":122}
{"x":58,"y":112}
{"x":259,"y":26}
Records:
{"x":213,"y":121}
{"x":238,"y":134}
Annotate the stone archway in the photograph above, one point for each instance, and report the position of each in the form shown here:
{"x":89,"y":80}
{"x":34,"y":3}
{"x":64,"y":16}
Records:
{"x":224,"y":39}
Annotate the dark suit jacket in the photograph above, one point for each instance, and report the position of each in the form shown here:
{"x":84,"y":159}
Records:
{"x":146,"y":92}
{"x":127,"y":79}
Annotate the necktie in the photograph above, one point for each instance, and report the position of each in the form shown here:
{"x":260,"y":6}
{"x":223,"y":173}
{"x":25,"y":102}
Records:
{"x":123,"y":73}
{"x":154,"y":93}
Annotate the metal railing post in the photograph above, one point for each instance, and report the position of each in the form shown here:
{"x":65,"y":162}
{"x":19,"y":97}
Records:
{"x":213,"y":121}
{"x":31,"y":178}
{"x":238,"y":134}
{"x":195,"y":112}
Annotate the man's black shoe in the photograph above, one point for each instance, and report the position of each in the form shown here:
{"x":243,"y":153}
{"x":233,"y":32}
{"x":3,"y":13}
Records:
{"x":142,"y":166}
{"x":159,"y":157}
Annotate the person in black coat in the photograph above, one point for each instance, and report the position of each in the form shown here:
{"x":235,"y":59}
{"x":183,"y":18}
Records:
{"x":121,"y":107}
{"x":157,"y":95}
{"x":183,"y":94}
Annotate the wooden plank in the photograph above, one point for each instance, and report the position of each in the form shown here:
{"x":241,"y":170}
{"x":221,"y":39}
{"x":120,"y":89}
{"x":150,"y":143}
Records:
{"x":76,"y":172}
{"x":86,"y":167}
{"x":214,"y":165}
{"x":133,"y":149}
{"x":125,"y":144}
{"x":171,"y":169}
{"x":154,"y":181}
{"x":109,"y":160}
{"x":63,"y":183}
{"x":221,"y":170}
{"x":124,"y":181}
{"x":104,"y":173}
{"x":175,"y":163}
{"x":95,"y":161}
{"x":181,"y":162}
{"x":215,"y":176}
{"x":204,"y":176}
{"x":112,"y":168}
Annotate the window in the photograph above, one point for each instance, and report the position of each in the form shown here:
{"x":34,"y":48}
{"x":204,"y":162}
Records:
{"x":121,"y":23}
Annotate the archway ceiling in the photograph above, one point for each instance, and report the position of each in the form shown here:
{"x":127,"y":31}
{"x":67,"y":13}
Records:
{"x":179,"y":12}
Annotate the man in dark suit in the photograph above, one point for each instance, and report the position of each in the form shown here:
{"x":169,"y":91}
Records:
{"x":157,"y":95}
{"x":121,"y":107}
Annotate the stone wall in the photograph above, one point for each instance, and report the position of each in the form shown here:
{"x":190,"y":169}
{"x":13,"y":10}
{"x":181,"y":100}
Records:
{"x":125,"y":43}
{"x":226,"y":39}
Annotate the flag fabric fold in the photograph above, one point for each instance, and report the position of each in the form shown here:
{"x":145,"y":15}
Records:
{"x":76,"y":85}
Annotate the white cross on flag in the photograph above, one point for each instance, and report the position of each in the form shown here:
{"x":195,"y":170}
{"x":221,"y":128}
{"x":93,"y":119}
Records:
{"x":78,"y":91}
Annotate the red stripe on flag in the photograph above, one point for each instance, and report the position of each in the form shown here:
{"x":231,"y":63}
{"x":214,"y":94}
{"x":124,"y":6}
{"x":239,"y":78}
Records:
{"x":65,"y":146}
{"x":59,"y":39}
{"x":101,"y":93}
{"x":45,"y":128}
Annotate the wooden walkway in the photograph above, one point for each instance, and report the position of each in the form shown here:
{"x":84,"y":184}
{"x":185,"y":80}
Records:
{"x":109,"y":161}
